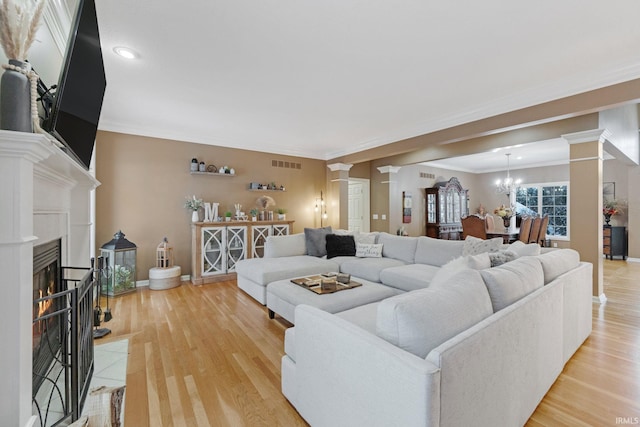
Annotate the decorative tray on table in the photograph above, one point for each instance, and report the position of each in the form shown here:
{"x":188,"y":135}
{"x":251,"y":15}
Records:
{"x":326,"y":283}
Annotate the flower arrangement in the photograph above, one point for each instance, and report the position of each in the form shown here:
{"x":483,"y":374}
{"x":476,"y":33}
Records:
{"x":192,"y":203}
{"x":265,"y":201}
{"x":503,"y":212}
{"x":611,"y":208}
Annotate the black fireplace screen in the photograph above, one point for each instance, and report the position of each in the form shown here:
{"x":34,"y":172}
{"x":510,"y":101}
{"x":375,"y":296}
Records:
{"x":62,"y":336}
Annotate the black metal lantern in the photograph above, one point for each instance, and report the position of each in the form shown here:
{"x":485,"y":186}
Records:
{"x":119,"y":274}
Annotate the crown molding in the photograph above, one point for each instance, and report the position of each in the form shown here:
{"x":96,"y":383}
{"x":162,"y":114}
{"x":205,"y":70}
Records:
{"x":389,"y":169}
{"x":57,"y":18}
{"x":339,"y":167}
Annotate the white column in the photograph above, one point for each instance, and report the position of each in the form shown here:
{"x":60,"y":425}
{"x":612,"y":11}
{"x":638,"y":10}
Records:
{"x":17,"y":157}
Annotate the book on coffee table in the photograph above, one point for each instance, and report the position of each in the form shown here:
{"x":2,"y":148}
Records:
{"x":323,"y":285}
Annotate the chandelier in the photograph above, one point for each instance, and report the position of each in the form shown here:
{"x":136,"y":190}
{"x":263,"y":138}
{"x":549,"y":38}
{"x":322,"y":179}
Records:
{"x":507,"y":185}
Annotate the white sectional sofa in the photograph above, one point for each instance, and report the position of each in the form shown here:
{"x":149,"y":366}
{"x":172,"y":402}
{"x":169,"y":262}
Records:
{"x":453,"y":342}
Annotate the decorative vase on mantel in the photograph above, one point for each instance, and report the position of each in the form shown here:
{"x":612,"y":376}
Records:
{"x":607,"y":218}
{"x":195,"y":217}
{"x":15,"y":98}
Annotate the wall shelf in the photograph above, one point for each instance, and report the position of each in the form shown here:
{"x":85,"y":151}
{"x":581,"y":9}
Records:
{"x":212,"y":173}
{"x":264,"y":189}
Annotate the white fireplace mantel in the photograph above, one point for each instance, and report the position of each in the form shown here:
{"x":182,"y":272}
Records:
{"x":44,"y":195}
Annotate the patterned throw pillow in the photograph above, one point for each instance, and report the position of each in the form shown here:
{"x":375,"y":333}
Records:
{"x":502,"y":257}
{"x":369,"y":250}
{"x":475,"y":246}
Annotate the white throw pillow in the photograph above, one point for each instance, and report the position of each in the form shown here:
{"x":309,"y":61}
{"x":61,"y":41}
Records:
{"x":474,"y":262}
{"x":369,"y":238}
{"x":369,"y":250}
{"x":522,"y":249}
{"x":475,"y":245}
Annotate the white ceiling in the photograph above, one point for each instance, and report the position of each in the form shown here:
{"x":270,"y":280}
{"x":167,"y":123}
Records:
{"x":326,"y":78}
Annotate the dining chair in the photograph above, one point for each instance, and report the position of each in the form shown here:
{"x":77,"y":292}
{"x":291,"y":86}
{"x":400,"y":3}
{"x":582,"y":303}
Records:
{"x":473,"y":226}
{"x":525,"y":229}
{"x":489,"y":223}
{"x":535,"y":229}
{"x":542,"y":235}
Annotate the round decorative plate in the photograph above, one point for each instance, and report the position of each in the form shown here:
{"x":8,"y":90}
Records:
{"x":212,"y":168}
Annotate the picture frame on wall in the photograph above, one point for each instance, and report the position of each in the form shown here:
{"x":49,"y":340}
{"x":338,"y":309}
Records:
{"x":406,"y":207}
{"x":608,"y":191}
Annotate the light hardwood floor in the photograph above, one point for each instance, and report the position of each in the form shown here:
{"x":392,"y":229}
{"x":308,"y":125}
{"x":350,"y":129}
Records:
{"x":210,"y":356}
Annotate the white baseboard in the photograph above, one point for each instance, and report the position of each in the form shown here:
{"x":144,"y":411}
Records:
{"x":600,"y":299}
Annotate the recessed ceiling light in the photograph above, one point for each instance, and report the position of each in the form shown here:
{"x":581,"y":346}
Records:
{"x":126,"y":52}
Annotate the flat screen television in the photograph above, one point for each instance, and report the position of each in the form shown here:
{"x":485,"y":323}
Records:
{"x":77,"y":103}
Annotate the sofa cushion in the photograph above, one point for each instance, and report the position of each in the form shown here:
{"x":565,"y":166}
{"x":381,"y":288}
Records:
{"x":340,"y":245}
{"x":368,"y":250}
{"x":398,"y":247}
{"x":283,"y":246}
{"x":511,"y":281}
{"x":368,"y":268}
{"x":522,"y":249}
{"x":265,"y":270}
{"x":421,"y":320}
{"x":316,"y":240}
{"x":555,"y":263}
{"x":474,"y":262}
{"x":363,"y":316}
{"x":409,"y":277}
{"x":474,"y":245}
{"x":437,"y":252}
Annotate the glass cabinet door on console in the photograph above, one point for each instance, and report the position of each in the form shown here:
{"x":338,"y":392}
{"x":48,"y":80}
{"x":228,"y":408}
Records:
{"x":236,"y":245}
{"x":213,"y":257}
{"x":446,"y":204}
{"x":259,"y":234}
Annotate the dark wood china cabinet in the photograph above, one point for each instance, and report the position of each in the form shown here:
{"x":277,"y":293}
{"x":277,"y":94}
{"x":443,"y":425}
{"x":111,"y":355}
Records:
{"x":446,"y":204}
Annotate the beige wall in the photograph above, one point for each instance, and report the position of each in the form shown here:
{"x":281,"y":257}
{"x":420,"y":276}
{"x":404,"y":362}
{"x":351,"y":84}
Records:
{"x":144,"y":182}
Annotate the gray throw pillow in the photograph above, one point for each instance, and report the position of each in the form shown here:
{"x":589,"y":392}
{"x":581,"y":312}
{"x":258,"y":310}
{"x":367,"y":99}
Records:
{"x":316,"y":240}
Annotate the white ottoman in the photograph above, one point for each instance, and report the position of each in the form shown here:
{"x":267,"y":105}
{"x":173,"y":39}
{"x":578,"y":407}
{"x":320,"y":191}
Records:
{"x":164,"y":278}
{"x":283,"y":297}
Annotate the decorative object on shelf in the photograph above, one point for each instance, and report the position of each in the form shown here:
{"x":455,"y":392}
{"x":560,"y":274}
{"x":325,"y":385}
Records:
{"x":609,"y":209}
{"x":18,"y":86}
{"x":194,"y":165}
{"x":254,"y":214}
{"x":509,"y":184}
{"x":282,"y":214}
{"x":505,"y":214}
{"x":320,"y":207}
{"x":240,"y":216}
{"x":202,"y":167}
{"x":193,"y":205}
{"x":270,"y":215}
{"x":212,"y":169}
{"x":228,"y":215}
{"x":263,"y":203}
{"x":254,"y":186}
{"x":120,"y":261}
{"x":232,"y":171}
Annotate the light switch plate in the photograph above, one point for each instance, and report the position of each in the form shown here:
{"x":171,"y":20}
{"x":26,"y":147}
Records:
{"x":375,"y":216}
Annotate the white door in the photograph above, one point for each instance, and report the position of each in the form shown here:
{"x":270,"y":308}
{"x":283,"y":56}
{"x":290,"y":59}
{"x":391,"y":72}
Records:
{"x":359,"y":204}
